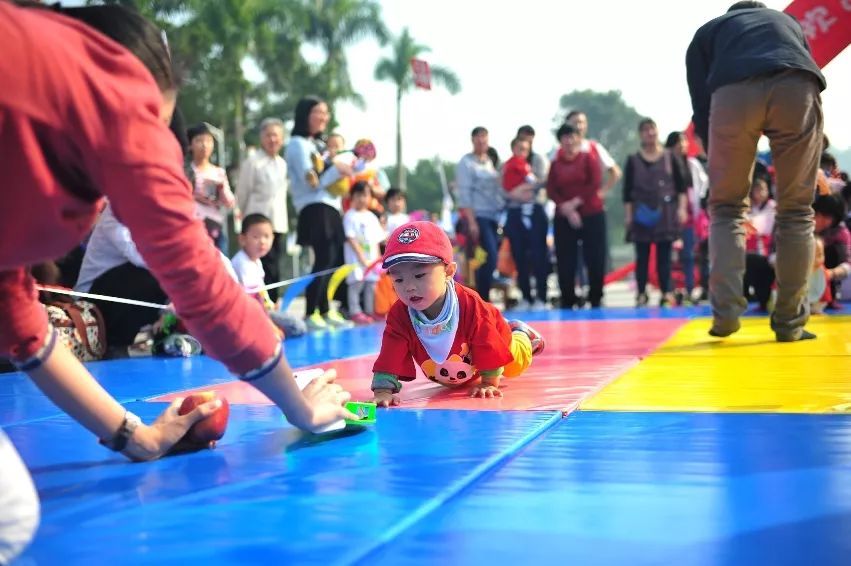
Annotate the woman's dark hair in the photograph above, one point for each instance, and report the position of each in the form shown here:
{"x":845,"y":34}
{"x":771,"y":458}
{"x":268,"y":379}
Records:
{"x":830,"y":205}
{"x":673,"y":139}
{"x":565,"y":130}
{"x":178,"y":128}
{"x":746,"y":5}
{"x":493,"y":154}
{"x":129,"y":28}
{"x":302,"y":117}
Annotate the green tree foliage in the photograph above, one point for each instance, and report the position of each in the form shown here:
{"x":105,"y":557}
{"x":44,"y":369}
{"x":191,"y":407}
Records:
{"x":614,"y":123}
{"x":397,"y":69}
{"x":424,"y":189}
{"x":334,"y":25}
{"x":213,"y":42}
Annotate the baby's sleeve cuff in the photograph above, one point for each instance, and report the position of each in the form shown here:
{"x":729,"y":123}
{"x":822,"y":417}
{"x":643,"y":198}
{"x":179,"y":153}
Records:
{"x":382,"y":380}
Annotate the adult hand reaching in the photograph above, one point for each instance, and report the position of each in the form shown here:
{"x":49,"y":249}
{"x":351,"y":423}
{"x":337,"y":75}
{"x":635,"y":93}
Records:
{"x":167,"y":433}
{"x":327,"y":401}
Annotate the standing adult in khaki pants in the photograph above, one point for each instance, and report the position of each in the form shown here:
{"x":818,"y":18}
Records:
{"x":750,"y":72}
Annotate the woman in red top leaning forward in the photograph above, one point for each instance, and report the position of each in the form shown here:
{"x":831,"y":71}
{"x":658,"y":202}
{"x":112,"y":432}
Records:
{"x":574,"y":185}
{"x":81,"y":118}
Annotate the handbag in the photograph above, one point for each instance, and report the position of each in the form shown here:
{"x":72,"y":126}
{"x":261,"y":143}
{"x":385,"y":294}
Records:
{"x":646,"y":216}
{"x":79,"y":325}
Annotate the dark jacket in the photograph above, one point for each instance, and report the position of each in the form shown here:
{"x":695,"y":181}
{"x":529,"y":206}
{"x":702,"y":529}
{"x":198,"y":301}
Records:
{"x":739,"y":45}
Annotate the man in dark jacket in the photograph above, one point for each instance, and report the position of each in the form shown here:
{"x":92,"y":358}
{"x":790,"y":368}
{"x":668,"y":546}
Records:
{"x":750,"y":72}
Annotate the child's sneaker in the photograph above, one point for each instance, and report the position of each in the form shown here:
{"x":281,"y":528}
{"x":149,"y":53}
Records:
{"x":316,"y":322}
{"x":335,"y":320}
{"x":534,"y":336}
{"x":361,"y":318}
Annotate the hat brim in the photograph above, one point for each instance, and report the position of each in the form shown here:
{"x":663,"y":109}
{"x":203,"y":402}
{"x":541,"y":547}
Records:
{"x":409,"y":258}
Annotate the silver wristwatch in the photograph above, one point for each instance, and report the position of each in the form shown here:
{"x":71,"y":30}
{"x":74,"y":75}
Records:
{"x":125,"y":431}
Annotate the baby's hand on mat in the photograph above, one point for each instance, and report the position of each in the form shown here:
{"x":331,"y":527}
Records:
{"x":386,"y":399}
{"x":485,"y":391}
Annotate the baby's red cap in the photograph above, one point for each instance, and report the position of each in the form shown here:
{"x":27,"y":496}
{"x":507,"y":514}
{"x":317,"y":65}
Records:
{"x":417,"y":242}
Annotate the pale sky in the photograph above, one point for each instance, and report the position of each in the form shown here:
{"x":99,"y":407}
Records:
{"x":515,"y":60}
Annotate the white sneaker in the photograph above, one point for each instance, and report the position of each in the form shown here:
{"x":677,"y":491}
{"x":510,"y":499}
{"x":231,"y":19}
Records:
{"x":522,"y":305}
{"x":540,"y":306}
{"x":335,"y":320}
{"x":315,"y":322}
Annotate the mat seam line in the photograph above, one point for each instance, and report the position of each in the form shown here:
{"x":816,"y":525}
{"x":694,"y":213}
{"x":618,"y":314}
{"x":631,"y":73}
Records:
{"x":433,"y":504}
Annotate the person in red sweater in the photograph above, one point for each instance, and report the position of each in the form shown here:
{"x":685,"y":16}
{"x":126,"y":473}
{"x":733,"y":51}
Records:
{"x":516,"y":172}
{"x":447,"y":329}
{"x":574,"y":185}
{"x":82,"y":118}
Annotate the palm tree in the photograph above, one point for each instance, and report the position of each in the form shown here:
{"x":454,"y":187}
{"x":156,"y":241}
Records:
{"x":210,"y":41}
{"x":333,"y":25}
{"x":397,"y":69}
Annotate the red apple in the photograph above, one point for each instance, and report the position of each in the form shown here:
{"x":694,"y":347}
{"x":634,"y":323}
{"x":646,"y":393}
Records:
{"x":210,"y":428}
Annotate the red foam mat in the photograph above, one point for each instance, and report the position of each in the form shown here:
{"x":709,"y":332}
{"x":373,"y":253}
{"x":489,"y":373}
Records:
{"x":580,"y":358}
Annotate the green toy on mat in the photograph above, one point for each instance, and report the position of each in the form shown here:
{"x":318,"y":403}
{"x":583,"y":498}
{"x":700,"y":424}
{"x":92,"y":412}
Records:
{"x":365,"y":410}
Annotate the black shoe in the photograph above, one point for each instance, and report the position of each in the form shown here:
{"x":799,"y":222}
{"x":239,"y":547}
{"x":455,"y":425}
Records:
{"x":791,"y":338}
{"x":722,"y":331}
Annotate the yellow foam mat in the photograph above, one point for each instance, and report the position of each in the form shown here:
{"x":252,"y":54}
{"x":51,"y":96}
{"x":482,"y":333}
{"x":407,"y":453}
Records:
{"x":746,"y":372}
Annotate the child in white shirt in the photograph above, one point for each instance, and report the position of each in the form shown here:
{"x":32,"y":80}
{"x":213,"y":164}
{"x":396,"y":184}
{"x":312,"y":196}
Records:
{"x":397,"y":210}
{"x":255,"y":240}
{"x":363,"y":237}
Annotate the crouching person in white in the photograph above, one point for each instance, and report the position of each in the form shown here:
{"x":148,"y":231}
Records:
{"x":18,"y":502}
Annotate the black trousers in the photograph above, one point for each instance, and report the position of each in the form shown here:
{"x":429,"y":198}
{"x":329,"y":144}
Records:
{"x":272,"y":264}
{"x":326,"y":256}
{"x":122,"y":321}
{"x":759,"y":276}
{"x":594,"y":250}
{"x":663,"y":265}
{"x":529,"y":249}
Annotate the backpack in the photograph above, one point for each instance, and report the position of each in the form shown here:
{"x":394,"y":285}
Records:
{"x":79,"y":325}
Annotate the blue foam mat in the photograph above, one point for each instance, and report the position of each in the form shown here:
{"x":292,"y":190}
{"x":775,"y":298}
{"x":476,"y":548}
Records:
{"x":267,"y":494}
{"x":654,"y":488}
{"x":140,"y":378}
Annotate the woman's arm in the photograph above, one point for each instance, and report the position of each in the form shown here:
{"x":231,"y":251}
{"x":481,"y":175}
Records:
{"x":627,"y":192}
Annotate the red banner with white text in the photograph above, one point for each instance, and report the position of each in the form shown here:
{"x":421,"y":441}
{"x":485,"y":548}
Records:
{"x":827,"y":25}
{"x":422,"y":73}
